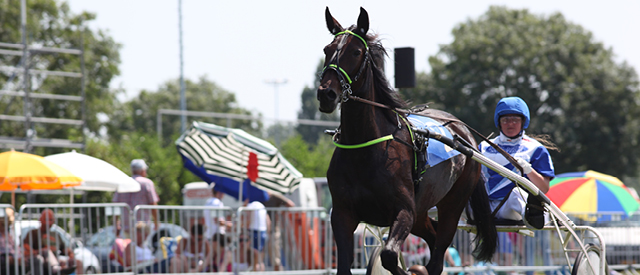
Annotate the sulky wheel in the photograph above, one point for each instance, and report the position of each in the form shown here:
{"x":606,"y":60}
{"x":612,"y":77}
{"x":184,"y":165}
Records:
{"x":581,"y":265}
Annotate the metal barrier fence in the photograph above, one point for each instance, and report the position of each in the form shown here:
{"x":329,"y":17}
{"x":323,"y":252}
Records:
{"x":111,"y":238}
{"x":57,"y":248}
{"x":101,"y":238}
{"x":621,"y":234}
{"x":514,"y":249}
{"x":183,"y":242}
{"x":295,"y":239}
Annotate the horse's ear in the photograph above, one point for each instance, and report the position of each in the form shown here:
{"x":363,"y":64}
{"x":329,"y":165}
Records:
{"x":332,"y":24}
{"x":363,"y":22}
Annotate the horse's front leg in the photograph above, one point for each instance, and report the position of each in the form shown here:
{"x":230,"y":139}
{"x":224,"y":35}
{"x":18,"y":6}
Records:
{"x":343,"y":225}
{"x":398,"y":232}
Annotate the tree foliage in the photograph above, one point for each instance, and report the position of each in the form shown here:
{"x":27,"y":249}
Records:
{"x":140,"y":113}
{"x":121,"y":131}
{"x":132,"y":130}
{"x":312,"y":160}
{"x":575,"y":90}
{"x":51,"y":24}
{"x":165,"y":164}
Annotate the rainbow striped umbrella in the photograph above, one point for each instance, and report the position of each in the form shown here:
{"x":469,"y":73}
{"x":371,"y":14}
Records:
{"x":591,"y":192}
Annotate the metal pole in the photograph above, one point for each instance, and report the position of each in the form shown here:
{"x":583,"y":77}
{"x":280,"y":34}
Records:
{"x":26,"y":85}
{"x":183,"y":101}
{"x":159,"y":124}
{"x":83,"y":92}
{"x":276,"y":83}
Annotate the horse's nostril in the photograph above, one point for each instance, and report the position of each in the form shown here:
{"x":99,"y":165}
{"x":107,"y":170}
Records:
{"x":331,"y":95}
{"x":326,"y":92}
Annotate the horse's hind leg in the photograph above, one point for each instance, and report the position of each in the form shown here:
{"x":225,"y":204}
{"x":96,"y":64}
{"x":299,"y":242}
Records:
{"x":398,"y":232}
{"x":343,"y":226}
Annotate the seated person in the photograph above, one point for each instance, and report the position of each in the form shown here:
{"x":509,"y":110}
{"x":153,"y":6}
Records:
{"x":179,"y":262}
{"x":7,"y":245}
{"x":117,"y":250}
{"x":142,"y":255}
{"x":41,"y":250}
{"x":512,"y":118}
{"x":198,"y":250}
{"x":244,"y":261}
{"x":222,"y":257}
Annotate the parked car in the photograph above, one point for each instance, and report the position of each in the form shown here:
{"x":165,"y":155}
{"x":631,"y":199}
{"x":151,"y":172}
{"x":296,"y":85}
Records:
{"x":102,"y":242}
{"x":90,"y":262}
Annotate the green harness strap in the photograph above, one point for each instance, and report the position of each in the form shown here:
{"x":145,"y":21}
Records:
{"x":341,"y":70}
{"x":415,"y":156}
{"x":368,"y":143}
{"x":381,"y":139}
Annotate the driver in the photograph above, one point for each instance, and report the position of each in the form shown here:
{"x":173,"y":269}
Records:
{"x":512,"y":117}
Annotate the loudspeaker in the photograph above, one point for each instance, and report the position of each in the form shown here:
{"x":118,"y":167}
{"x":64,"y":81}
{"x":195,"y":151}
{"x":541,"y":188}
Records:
{"x":405,"y":71}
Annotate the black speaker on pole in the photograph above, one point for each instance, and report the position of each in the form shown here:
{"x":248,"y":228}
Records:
{"x":405,"y":70}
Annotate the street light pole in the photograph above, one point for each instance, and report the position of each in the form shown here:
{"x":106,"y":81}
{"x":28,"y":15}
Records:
{"x":276,"y":83}
{"x":183,"y":100}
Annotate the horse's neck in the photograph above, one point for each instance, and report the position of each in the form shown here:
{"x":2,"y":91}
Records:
{"x":361,"y":122}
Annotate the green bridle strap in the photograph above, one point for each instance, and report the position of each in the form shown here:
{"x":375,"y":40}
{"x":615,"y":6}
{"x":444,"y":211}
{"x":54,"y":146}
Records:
{"x":361,"y":145}
{"x":341,"y":70}
{"x":354,"y":34}
{"x":336,"y":68}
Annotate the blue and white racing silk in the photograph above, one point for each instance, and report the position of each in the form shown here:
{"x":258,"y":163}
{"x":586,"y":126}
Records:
{"x":436,"y":151}
{"x":522,"y":147}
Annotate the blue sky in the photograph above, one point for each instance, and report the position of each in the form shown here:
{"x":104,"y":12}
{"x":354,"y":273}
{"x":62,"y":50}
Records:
{"x":242,"y":44}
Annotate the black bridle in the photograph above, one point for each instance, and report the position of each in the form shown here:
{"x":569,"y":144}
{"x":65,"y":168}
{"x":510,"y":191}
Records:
{"x":345,"y":80}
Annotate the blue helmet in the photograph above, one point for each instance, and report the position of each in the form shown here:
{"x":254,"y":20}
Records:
{"x":512,"y":105}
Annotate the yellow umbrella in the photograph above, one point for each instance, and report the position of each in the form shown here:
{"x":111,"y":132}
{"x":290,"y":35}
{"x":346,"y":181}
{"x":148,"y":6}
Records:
{"x":30,"y":172}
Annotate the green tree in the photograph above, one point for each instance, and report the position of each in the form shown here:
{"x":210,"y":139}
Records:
{"x":312,"y":160}
{"x":132,"y":131}
{"x":165,"y":164}
{"x":140,"y":113}
{"x":51,"y":24}
{"x":575,"y":90}
{"x":309,"y":110}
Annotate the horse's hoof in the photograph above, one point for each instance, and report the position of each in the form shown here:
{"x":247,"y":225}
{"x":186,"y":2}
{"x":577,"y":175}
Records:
{"x":418,"y":270}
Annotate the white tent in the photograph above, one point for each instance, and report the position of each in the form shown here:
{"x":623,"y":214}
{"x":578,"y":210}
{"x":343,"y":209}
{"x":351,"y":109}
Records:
{"x":98,"y":175}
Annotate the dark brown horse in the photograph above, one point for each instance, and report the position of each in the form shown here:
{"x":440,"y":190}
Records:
{"x":375,"y":183}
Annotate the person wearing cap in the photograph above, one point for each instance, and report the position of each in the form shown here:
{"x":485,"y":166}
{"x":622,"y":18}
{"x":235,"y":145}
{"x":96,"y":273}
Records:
{"x":146,"y":196}
{"x":512,"y":117}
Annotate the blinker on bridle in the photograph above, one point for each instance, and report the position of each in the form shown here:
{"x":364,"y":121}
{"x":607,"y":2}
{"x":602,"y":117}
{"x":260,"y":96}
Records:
{"x":345,"y":80}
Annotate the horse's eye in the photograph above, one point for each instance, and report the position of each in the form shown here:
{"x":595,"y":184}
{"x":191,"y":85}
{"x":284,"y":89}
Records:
{"x":357,"y":52}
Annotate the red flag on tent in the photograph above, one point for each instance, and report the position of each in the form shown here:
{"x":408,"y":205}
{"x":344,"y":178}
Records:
{"x":252,"y":167}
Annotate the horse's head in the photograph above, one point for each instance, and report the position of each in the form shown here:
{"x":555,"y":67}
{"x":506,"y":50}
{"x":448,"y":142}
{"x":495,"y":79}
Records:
{"x":345,"y":60}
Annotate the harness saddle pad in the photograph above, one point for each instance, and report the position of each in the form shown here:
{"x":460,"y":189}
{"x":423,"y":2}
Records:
{"x":436,"y":151}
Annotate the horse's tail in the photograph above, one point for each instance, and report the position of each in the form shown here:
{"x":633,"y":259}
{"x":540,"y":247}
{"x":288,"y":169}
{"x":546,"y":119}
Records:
{"x":487,"y":236}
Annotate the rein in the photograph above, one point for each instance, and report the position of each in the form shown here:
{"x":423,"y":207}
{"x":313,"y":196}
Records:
{"x":345,"y":82}
{"x":503,"y":152}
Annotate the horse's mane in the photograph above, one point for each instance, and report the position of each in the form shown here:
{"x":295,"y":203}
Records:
{"x":384,"y":92}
